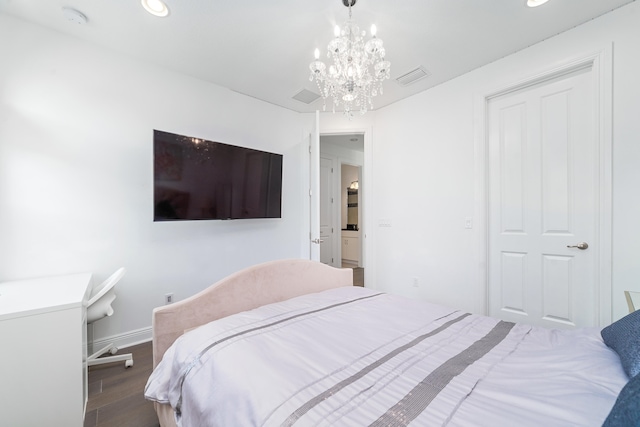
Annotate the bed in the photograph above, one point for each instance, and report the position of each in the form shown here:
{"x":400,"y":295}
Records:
{"x":293,"y":343}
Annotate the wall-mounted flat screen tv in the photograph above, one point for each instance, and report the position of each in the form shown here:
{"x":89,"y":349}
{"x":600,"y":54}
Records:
{"x":199,"y":179}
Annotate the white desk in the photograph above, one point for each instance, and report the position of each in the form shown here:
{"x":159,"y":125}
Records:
{"x":43,"y":370}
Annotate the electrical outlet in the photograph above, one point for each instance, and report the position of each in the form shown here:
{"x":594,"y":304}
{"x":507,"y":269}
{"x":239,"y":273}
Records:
{"x":468,"y":223}
{"x":168,"y":298}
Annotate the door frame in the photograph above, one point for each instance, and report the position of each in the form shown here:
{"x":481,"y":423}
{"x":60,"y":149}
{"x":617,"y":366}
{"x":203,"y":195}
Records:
{"x":601,"y":65}
{"x":367,"y":233}
{"x":314,"y":189}
{"x":347,"y":162}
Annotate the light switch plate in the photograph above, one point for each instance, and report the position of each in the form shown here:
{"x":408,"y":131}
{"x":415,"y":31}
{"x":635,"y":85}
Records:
{"x":384,"y":222}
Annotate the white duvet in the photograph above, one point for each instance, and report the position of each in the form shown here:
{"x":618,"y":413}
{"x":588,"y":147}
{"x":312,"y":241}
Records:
{"x":356,"y":357}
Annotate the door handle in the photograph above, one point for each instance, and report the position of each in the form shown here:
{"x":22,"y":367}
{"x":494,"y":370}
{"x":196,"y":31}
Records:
{"x":581,"y":246}
{"x":317,"y":241}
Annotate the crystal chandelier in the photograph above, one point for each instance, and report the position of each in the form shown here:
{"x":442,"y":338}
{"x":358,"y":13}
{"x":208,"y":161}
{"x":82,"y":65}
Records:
{"x":357,"y":71}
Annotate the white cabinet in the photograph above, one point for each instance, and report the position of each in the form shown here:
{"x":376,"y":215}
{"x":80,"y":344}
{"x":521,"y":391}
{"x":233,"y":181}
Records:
{"x":43,"y":370}
{"x":350,"y":246}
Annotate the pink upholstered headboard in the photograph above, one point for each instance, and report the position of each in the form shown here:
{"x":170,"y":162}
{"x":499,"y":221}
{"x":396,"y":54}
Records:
{"x":245,"y":290}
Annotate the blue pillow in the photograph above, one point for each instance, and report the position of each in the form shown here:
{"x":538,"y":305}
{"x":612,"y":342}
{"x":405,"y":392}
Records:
{"x":626,"y":410}
{"x":623,"y":337}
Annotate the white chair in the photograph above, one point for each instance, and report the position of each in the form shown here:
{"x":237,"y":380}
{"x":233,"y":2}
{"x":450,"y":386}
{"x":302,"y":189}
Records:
{"x":633,"y":300}
{"x":99,"y":307}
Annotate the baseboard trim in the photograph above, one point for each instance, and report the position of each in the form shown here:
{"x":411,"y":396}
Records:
{"x":126,"y":339}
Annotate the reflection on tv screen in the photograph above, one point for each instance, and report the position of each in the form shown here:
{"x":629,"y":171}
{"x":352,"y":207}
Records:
{"x":199,"y":179}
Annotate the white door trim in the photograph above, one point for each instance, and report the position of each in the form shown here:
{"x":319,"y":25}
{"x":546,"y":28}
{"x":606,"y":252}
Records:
{"x":600,"y":63}
{"x":368,"y":231}
{"x":314,"y":190}
{"x":360,"y":166}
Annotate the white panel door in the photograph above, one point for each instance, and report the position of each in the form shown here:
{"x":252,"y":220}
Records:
{"x":543,"y":180}
{"x":326,"y":211}
{"x":314,"y":191}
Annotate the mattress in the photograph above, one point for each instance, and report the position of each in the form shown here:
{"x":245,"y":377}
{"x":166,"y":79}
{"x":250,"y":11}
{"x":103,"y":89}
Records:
{"x":355,"y":357}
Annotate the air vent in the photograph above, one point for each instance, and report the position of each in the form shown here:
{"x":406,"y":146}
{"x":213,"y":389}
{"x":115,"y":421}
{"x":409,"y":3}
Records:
{"x":306,"y":96}
{"x":412,"y":76}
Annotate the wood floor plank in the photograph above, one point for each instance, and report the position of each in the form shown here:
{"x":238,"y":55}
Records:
{"x":91,"y":418}
{"x":134,"y":411}
{"x":358,"y":276}
{"x":116,"y":393}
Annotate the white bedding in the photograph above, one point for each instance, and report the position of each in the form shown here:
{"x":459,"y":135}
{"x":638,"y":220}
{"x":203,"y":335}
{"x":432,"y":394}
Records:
{"x":354,"y":357}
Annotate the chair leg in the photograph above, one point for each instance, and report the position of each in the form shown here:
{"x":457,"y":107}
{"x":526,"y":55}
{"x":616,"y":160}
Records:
{"x":126,"y":358}
{"x":100,"y":352}
{"x":95,"y":358}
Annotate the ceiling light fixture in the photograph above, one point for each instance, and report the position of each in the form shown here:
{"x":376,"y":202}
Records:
{"x":74,"y":15}
{"x":155,"y":7}
{"x":358,"y":68}
{"x":536,"y":3}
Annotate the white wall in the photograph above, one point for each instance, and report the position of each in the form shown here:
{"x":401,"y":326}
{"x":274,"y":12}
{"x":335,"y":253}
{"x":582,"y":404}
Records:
{"x":76,"y":125}
{"x":428,"y":142}
{"x":76,"y":174}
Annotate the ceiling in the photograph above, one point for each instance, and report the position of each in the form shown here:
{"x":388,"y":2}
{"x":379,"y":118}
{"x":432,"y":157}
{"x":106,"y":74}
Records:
{"x":262,"y":48}
{"x":353,"y":142}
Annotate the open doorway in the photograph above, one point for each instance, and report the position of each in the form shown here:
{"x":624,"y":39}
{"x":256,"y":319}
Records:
{"x":343,"y":206}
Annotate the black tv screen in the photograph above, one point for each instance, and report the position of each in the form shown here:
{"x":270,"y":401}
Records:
{"x":199,"y":179}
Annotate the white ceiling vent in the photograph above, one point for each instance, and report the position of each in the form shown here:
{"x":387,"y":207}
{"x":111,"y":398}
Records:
{"x":412,"y":76}
{"x":306,"y":96}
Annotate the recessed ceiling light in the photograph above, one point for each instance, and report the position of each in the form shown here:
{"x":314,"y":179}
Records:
{"x":535,"y":3}
{"x":155,"y":7}
{"x":74,"y":16}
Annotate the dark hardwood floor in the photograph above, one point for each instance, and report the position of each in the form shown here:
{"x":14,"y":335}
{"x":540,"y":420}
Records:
{"x":116,"y":393}
{"x":358,"y":276}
